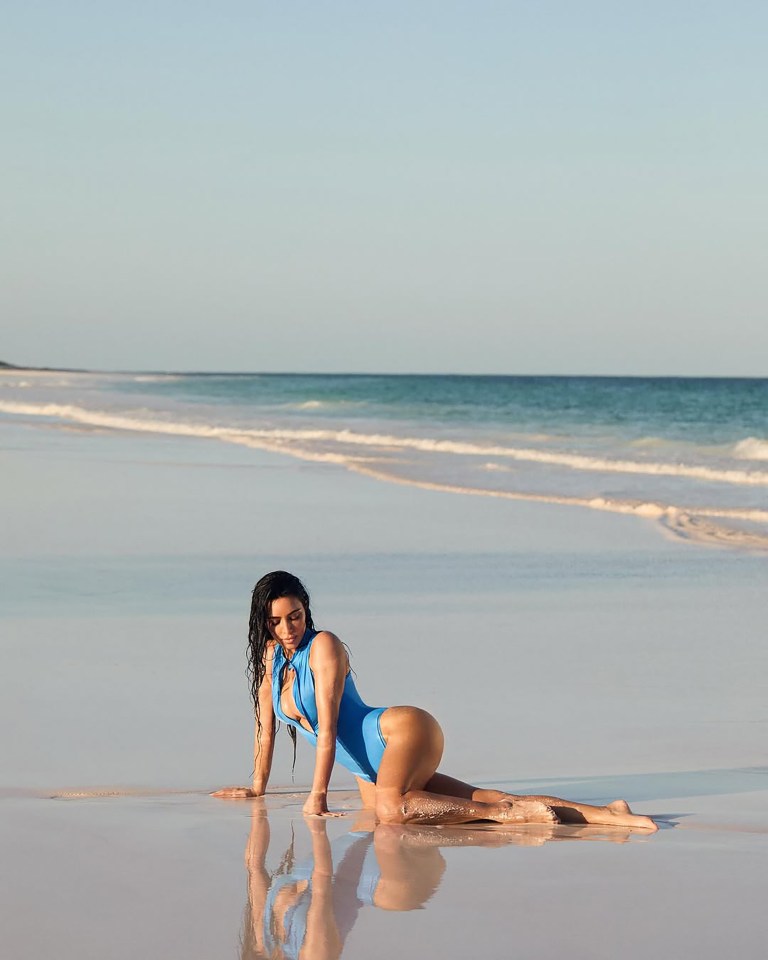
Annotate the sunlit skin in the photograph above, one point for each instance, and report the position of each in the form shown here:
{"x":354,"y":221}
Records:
{"x":408,"y":788}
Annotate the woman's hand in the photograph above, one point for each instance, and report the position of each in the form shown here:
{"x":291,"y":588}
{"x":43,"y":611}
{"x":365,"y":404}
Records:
{"x":317,"y":806}
{"x":236,"y":793}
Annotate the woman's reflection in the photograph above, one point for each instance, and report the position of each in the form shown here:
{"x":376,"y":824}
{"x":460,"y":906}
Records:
{"x":306,"y":909}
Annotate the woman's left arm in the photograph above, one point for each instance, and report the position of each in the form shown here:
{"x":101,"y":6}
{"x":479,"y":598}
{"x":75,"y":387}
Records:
{"x":328,"y":661}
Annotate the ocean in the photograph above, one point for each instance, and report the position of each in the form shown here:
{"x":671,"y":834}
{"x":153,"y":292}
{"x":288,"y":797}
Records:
{"x":691,"y":454}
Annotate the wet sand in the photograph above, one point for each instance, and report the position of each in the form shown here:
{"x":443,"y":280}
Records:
{"x":563,"y":652}
{"x":183,"y":875}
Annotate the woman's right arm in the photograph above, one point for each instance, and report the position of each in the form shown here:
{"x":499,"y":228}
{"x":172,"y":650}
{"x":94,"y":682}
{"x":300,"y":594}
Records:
{"x":263,"y":744}
{"x":264,"y":737}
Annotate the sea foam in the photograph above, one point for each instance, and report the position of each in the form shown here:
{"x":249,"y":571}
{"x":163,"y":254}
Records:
{"x":752,"y":448}
{"x":289,"y":440}
{"x":689,"y":522}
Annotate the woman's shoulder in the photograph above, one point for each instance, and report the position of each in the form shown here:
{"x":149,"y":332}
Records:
{"x":326,"y":646}
{"x":325,"y":639}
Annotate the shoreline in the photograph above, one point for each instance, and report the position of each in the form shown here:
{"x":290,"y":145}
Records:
{"x":744,"y":530}
{"x":648,"y":457}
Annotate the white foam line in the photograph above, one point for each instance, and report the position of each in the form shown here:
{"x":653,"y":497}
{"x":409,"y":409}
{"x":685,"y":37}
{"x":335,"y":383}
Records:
{"x":649,"y":509}
{"x":271,"y":440}
{"x":759,"y":516}
{"x":751,"y":448}
{"x":692,"y":527}
{"x":682,"y":521}
{"x":255,"y":437}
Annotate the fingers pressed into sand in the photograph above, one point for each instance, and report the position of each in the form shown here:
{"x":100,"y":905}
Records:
{"x":234,"y":793}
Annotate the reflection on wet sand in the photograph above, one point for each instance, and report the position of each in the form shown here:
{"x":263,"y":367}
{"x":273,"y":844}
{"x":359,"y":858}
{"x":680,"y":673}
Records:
{"x":306,"y":908}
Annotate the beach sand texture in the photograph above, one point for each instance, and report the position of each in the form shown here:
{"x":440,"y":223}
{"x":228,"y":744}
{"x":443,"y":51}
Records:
{"x":564,"y":651}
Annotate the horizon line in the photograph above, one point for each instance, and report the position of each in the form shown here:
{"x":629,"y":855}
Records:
{"x":5,"y":366}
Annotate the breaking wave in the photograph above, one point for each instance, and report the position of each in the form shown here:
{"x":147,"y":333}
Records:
{"x":287,"y":439}
{"x":366,"y":454}
{"x":751,"y":449}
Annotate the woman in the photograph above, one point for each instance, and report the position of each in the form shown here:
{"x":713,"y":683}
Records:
{"x":302,"y":676}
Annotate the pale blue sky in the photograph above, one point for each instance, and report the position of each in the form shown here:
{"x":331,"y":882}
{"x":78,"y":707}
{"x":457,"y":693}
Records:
{"x":539,"y":187}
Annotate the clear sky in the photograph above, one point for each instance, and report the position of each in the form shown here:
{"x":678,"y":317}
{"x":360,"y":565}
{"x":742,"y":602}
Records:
{"x":488,"y":187}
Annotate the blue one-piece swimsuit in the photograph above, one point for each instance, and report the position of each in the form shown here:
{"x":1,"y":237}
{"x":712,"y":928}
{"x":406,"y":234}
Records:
{"x":356,"y":875}
{"x":359,"y":743}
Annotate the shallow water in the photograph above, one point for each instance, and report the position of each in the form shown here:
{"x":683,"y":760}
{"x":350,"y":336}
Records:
{"x":689,"y":453}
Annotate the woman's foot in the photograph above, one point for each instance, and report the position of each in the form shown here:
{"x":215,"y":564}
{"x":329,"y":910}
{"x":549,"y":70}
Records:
{"x":612,"y":814}
{"x":622,"y":816}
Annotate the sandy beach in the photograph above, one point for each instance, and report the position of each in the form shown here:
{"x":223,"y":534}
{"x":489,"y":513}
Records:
{"x":606,"y":660}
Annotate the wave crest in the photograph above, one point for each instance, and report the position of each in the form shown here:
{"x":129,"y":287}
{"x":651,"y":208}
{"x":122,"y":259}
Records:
{"x":694,"y":523}
{"x":751,"y":448}
{"x":288,"y":440}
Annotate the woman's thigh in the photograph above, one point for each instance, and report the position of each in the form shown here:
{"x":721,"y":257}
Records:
{"x":413,"y":751}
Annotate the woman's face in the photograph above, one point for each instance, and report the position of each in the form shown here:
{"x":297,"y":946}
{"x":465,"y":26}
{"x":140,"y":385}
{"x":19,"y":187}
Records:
{"x":287,"y":622}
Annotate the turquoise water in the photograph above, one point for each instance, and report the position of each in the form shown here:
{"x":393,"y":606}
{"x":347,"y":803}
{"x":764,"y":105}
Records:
{"x":703,"y":410}
{"x":692,"y":453}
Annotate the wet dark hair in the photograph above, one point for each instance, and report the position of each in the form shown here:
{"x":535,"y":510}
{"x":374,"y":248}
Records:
{"x":272,"y":586}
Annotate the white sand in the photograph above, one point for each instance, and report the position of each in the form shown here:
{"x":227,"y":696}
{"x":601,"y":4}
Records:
{"x":562,"y":650}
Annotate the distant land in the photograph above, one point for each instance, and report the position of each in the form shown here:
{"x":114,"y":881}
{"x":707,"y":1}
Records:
{"x":14,"y":366}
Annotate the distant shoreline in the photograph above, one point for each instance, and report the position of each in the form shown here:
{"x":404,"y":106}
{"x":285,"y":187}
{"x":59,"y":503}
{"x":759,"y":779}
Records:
{"x":12,"y":367}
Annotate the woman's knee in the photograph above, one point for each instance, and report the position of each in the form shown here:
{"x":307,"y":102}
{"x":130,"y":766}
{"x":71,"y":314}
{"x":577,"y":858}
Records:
{"x":390,"y":807}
